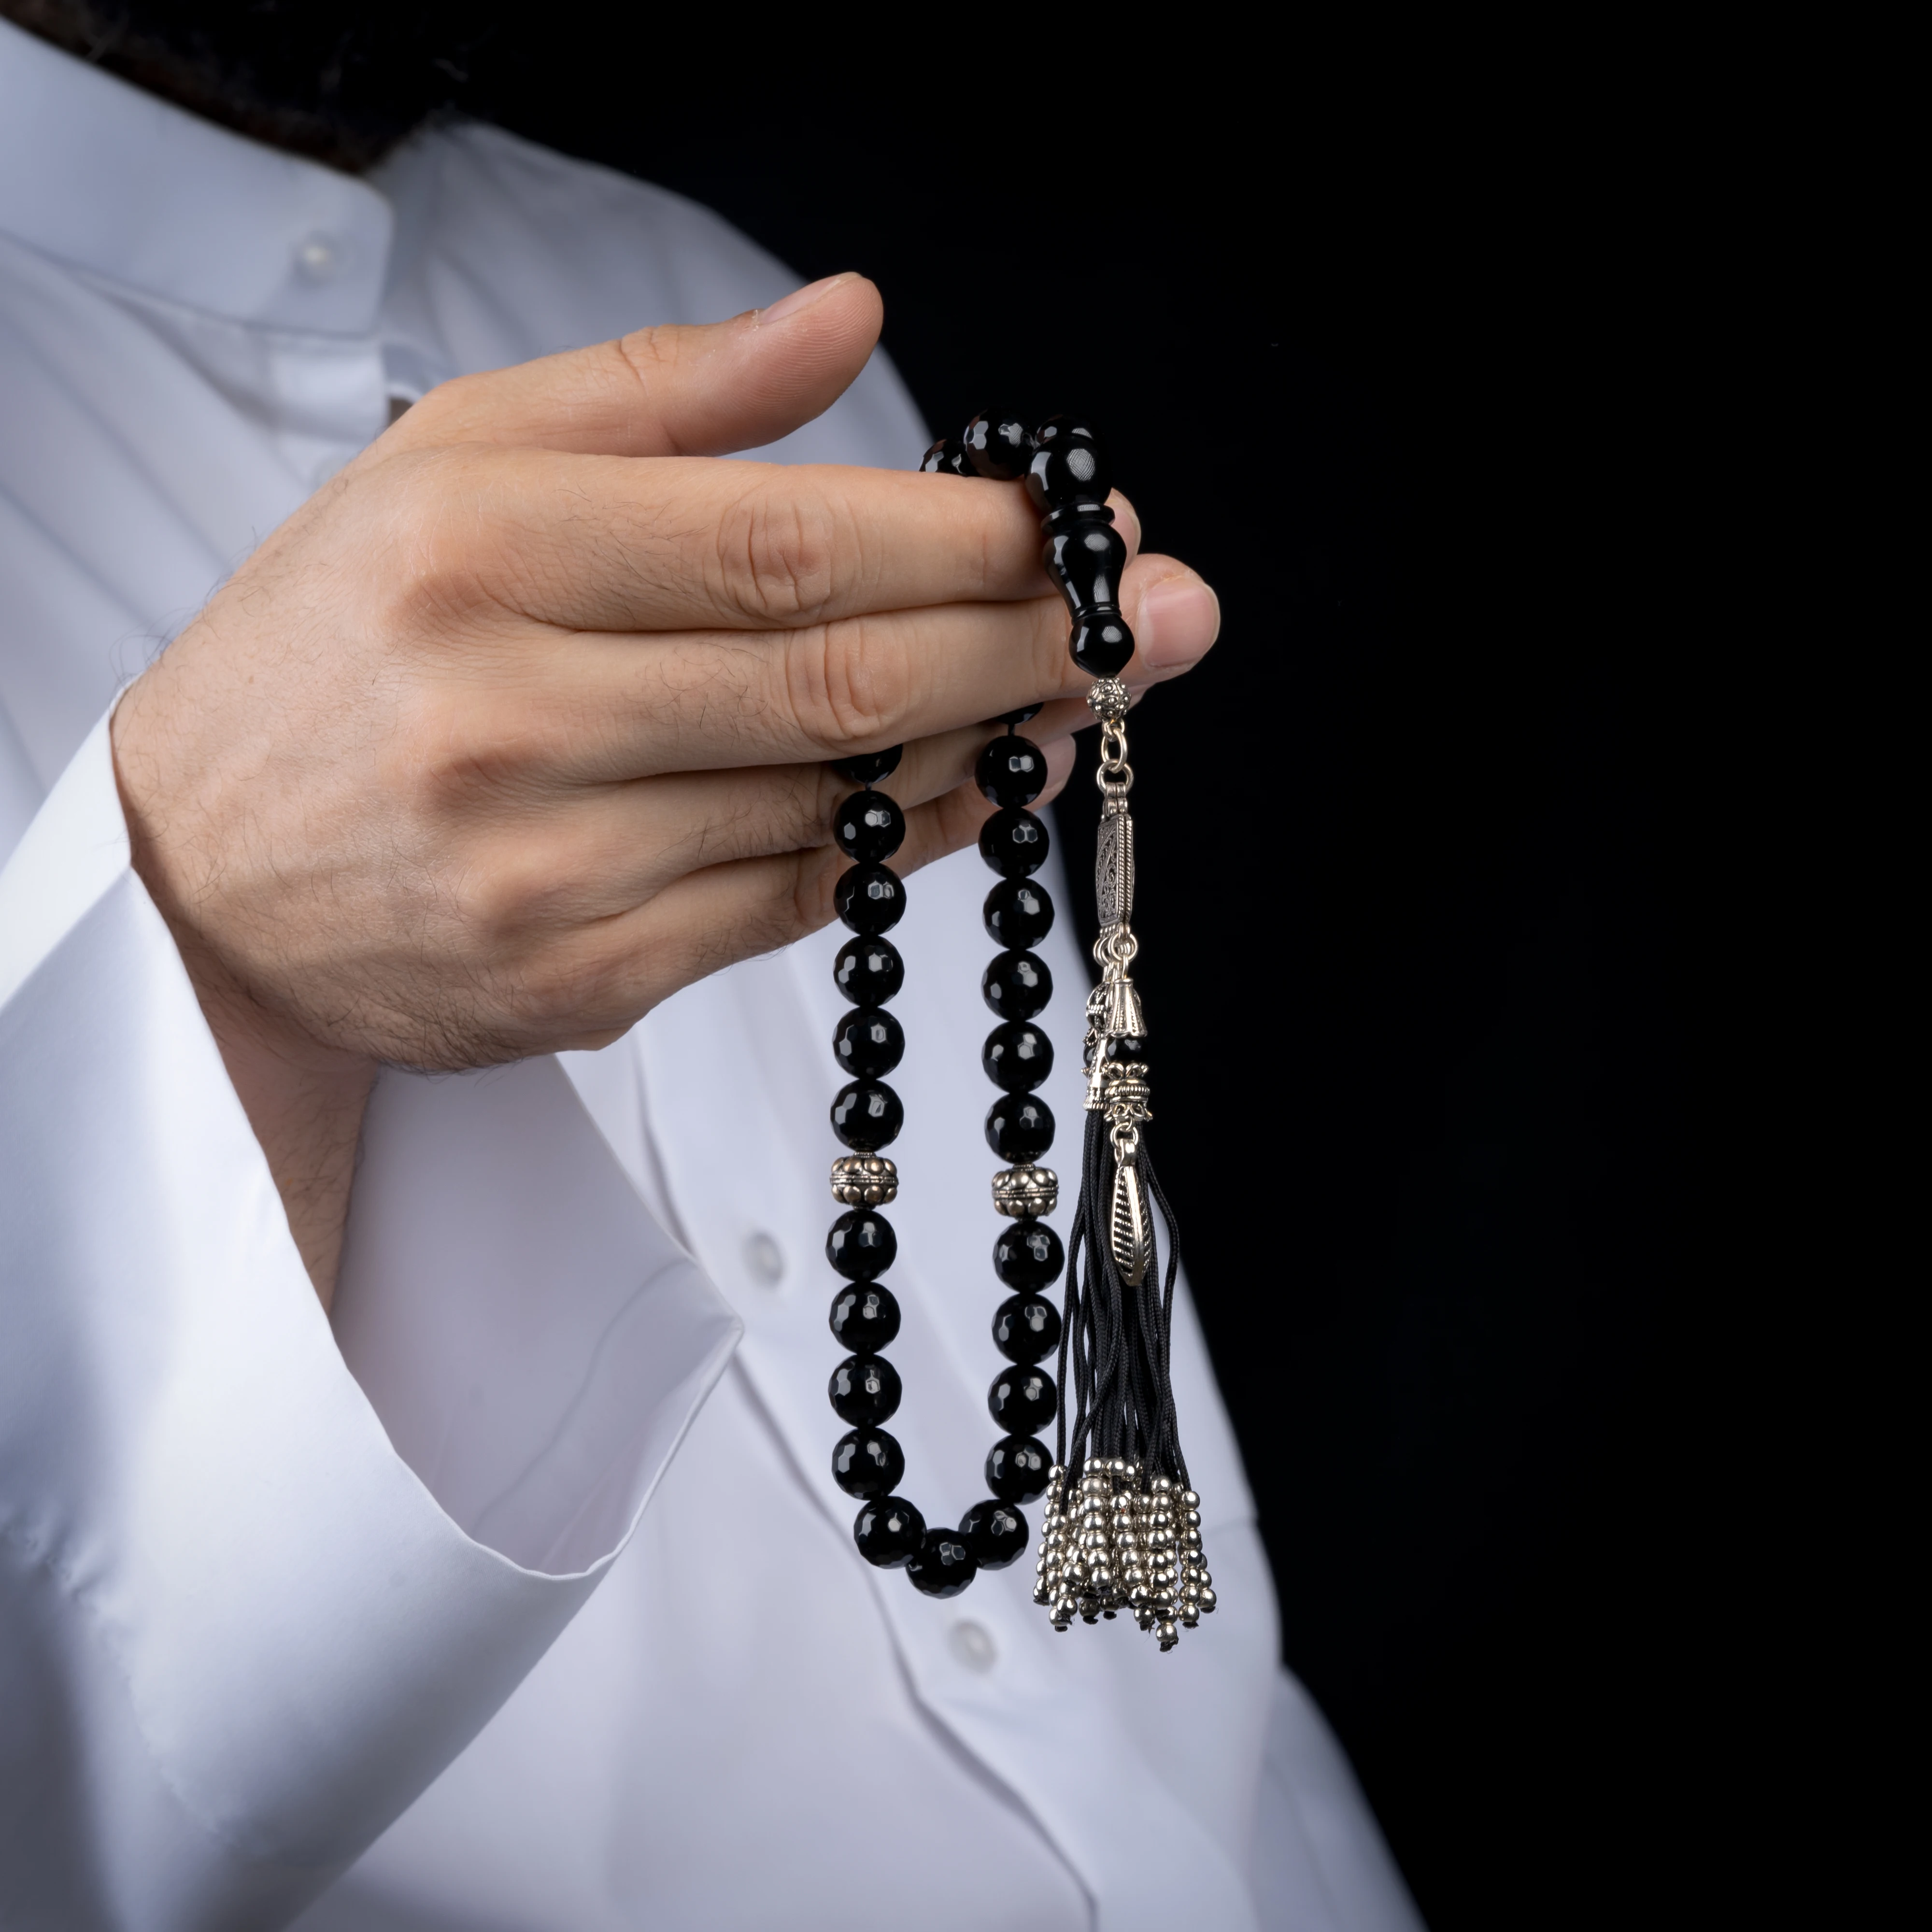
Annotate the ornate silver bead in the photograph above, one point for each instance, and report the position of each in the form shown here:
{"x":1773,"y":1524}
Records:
{"x":1025,"y":1190}
{"x":1109,"y":699}
{"x":864,"y":1181}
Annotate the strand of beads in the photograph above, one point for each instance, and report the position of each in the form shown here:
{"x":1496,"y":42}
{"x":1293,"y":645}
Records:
{"x":867,"y":1462}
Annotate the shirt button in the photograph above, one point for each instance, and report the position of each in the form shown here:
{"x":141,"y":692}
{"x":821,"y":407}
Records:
{"x":765,"y":1259}
{"x":973,"y":1645}
{"x":319,"y":258}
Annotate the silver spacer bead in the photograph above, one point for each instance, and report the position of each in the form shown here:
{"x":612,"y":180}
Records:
{"x":1109,"y":699}
{"x":1018,"y":1191}
{"x":864,"y":1181}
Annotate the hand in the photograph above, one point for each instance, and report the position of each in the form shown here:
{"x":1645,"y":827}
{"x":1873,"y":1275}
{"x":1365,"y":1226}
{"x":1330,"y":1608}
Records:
{"x":520,"y":724}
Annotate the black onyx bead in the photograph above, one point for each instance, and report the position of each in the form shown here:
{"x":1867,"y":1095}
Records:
{"x":865,"y":768}
{"x":1019,"y":717}
{"x":1019,"y":1127}
{"x":1017,"y":1469}
{"x":1013,"y":842}
{"x":1016,"y":984}
{"x":868,"y":971}
{"x":1067,"y":465}
{"x":995,"y":1531}
{"x":888,"y":1532}
{"x":1017,"y":1056}
{"x":1026,"y":1329}
{"x":1018,"y":914}
{"x":1028,"y":1255}
{"x":998,"y":446}
{"x":1085,"y":559}
{"x":1011,"y":770}
{"x":1101,"y":645}
{"x":870,"y":899}
{"x":867,"y":1115}
{"x":1021,"y":1400}
{"x":866,"y":1317}
{"x":868,"y":1042}
{"x":868,"y":1462}
{"x":1121,"y":1046}
{"x":863,"y":1389}
{"x":944,"y":1565}
{"x":947,"y":457}
{"x":869,"y":826}
{"x":861,"y":1245}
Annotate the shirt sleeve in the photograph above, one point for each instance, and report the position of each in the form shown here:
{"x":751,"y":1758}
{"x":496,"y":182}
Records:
{"x":260,"y":1580}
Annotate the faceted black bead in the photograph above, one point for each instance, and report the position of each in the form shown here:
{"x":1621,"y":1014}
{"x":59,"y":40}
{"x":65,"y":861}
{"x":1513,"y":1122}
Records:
{"x":865,"y":1388}
{"x":868,"y":971}
{"x":867,"y":1115}
{"x":1102,"y":645}
{"x":1013,"y":842}
{"x":1017,"y":1056}
{"x":870,"y":899}
{"x":995,"y":1532}
{"x":866,"y":1317}
{"x":869,"y":826}
{"x":1018,"y":914}
{"x":1085,"y":559}
{"x":1021,"y":1401}
{"x":861,"y":1245}
{"x":1123,"y":1046}
{"x":865,"y":768}
{"x":1067,"y":464}
{"x":1019,"y":1127}
{"x":998,"y":445}
{"x":1011,"y":770}
{"x":1017,"y":1468}
{"x":868,"y":1462}
{"x":947,"y":457}
{"x":1028,"y":1255}
{"x":1019,"y":717}
{"x":888,"y":1532}
{"x":868,"y":1042}
{"x":1016,"y":984}
{"x":1026,"y":1329}
{"x":944,"y":1565}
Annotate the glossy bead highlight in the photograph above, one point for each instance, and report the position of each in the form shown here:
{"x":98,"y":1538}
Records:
{"x":871,"y":899}
{"x":998,"y":445}
{"x":866,"y":1317}
{"x":1028,"y":1255}
{"x":888,"y":1532}
{"x":1013,"y":841}
{"x":868,"y":1042}
{"x":1018,"y":914}
{"x":944,"y":1565}
{"x":861,"y":1245}
{"x":1019,"y":1127}
{"x":995,"y":1532}
{"x":1021,"y":1401}
{"x":1011,"y":770}
{"x":865,"y":1389}
{"x":869,"y":827}
{"x":866,"y":768}
{"x":1017,"y":1057}
{"x":1017,"y":1469}
{"x":867,"y":1115}
{"x":868,"y":1462}
{"x":868,"y":972}
{"x":1026,"y":1328}
{"x":1016,"y":985}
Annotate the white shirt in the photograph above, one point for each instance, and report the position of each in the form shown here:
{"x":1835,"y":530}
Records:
{"x":366,"y":1620}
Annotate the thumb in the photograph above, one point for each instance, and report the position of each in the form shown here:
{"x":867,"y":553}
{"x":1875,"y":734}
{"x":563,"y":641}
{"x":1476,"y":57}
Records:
{"x":677,"y":391}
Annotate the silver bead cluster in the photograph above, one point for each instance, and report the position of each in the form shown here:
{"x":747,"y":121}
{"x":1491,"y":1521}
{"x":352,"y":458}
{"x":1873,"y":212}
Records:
{"x":1120,"y":1543}
{"x":1108,"y":698}
{"x":1028,"y":1190}
{"x":864,"y":1181}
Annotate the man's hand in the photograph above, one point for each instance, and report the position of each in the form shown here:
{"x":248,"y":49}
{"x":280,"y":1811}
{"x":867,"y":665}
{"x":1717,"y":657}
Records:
{"x":520,"y":724}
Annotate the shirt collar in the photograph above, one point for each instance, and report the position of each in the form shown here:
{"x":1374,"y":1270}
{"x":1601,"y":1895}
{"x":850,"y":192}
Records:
{"x":109,"y":179}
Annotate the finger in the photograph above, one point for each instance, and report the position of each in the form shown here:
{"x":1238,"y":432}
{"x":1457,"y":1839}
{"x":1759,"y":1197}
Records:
{"x":673,"y":391}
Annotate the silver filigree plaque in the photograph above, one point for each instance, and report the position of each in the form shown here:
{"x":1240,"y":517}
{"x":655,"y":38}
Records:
{"x":1113,"y":870}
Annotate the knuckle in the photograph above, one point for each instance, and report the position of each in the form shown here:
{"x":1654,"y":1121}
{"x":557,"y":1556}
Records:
{"x":777,"y":552}
{"x":849,"y":684}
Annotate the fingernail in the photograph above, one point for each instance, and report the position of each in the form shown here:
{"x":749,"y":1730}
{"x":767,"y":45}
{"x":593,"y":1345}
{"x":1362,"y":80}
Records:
{"x":1181,"y":617}
{"x":801,"y":299}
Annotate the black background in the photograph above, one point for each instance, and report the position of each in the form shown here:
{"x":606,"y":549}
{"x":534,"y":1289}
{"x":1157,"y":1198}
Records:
{"x":1392,"y":379}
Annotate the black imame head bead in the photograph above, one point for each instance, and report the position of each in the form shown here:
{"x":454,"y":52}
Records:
{"x":1026,"y":1329}
{"x":866,"y":768}
{"x":871,"y":899}
{"x":866,"y":1317}
{"x":1067,"y":464}
{"x":995,"y":1531}
{"x":1022,"y":1401}
{"x":1013,"y":841}
{"x":888,"y":1532}
{"x":865,"y":1389}
{"x":1017,"y":1057}
{"x":867,"y":1115}
{"x":868,"y":1042}
{"x":1016,"y":984}
{"x":943,"y":1566}
{"x":868,"y":972}
{"x":1017,"y":1469}
{"x":1085,"y":560}
{"x":868,"y":1462}
{"x":1019,"y":1127}
{"x":1028,"y":1255}
{"x":861,"y":1245}
{"x":1018,"y":914}
{"x":998,"y":446}
{"x":869,"y":827}
{"x":1011,"y":770}
{"x":1101,"y":644}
